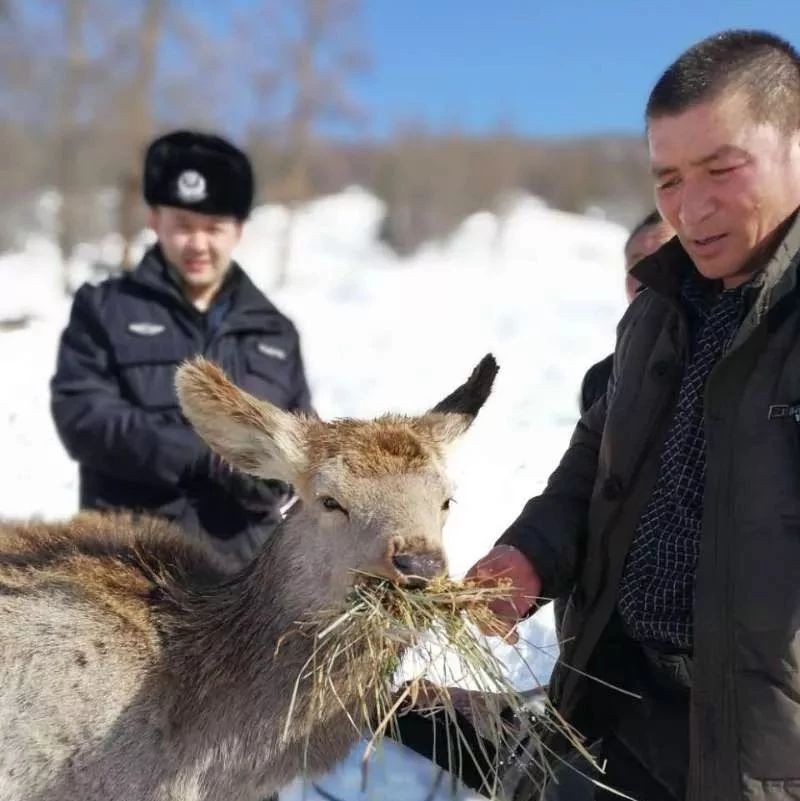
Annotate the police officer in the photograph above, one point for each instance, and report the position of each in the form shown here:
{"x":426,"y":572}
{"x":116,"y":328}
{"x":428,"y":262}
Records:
{"x":113,"y":400}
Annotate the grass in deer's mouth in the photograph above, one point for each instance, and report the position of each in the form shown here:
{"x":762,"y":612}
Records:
{"x":357,"y":652}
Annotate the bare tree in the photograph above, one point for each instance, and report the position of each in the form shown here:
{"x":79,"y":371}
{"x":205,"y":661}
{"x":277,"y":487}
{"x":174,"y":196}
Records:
{"x":315,"y":53}
{"x":140,"y":121}
{"x":28,"y":102}
{"x":77,"y":113}
{"x":68,"y":133}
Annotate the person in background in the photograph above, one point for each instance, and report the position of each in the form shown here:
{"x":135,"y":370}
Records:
{"x":646,"y":238}
{"x":112,"y":396}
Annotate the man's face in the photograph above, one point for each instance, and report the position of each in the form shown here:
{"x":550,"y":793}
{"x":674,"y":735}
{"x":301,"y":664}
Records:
{"x":724,"y":183}
{"x":199,"y":246}
{"x":646,"y":241}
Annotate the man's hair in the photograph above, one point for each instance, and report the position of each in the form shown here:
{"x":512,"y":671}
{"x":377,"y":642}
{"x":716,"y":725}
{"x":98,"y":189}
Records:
{"x":764,"y":67}
{"x":653,"y":218}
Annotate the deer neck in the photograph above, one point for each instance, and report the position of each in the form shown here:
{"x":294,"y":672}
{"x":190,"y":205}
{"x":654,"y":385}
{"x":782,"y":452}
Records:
{"x":238,"y":651}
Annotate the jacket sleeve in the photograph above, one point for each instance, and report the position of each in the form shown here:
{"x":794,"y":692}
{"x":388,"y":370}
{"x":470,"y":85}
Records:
{"x":551,"y":530}
{"x":98,"y":427}
{"x":595,"y":382}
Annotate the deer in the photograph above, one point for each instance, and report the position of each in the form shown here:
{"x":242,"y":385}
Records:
{"x":133,"y":667}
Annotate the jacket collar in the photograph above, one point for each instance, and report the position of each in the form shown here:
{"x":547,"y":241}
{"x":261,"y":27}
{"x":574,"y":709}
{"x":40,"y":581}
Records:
{"x":665,"y":270}
{"x":776,"y":281}
{"x":247,"y":301}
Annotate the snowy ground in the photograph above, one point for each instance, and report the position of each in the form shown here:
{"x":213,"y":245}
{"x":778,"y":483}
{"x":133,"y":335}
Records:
{"x":540,"y":289}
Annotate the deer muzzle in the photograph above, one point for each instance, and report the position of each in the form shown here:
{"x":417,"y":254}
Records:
{"x":416,"y":569}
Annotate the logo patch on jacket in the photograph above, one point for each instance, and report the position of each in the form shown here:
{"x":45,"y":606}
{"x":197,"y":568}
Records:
{"x":146,"y":329}
{"x":779,"y":410}
{"x":271,"y":350}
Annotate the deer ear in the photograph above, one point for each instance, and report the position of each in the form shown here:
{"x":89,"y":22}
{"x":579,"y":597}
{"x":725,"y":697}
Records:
{"x":453,"y":415}
{"x":250,"y":434}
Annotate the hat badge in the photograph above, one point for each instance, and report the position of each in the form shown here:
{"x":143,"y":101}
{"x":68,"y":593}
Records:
{"x":191,"y":187}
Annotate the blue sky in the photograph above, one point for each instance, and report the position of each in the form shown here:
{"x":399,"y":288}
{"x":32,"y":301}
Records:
{"x":540,"y":67}
{"x":543,"y":68}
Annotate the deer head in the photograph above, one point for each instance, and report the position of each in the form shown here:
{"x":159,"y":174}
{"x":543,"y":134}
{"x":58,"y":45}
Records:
{"x":374,"y":493}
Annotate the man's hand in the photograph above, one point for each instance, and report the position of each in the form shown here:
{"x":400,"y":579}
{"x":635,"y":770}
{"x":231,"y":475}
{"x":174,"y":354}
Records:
{"x":257,"y":496}
{"x":505,"y":562}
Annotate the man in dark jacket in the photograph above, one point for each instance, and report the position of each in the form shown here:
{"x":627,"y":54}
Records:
{"x":113,"y":399}
{"x":674,"y":516}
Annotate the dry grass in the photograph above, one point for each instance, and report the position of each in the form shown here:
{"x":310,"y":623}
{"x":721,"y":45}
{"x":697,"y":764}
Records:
{"x":357,"y":654}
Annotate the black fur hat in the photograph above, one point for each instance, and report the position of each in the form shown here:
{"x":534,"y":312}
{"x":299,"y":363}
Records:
{"x":200,"y":172}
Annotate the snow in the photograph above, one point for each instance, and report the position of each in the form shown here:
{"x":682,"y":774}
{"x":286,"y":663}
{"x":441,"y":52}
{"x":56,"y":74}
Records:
{"x":539,"y":288}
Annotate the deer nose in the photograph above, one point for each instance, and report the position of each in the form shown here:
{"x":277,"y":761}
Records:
{"x":419,"y":567}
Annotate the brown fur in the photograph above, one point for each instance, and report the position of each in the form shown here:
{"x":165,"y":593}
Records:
{"x":115,"y":562}
{"x":387,"y":446}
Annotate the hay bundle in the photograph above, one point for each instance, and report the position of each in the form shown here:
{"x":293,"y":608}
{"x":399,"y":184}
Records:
{"x":431,"y":631}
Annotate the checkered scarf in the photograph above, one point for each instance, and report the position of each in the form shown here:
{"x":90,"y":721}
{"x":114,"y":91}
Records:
{"x":656,"y":597}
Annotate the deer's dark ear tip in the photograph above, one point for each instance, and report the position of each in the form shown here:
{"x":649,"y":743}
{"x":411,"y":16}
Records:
{"x":488,"y":364}
{"x":484,"y":374}
{"x":471,"y":395}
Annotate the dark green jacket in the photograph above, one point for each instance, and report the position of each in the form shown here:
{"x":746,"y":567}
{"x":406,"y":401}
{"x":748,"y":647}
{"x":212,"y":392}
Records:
{"x":744,"y":740}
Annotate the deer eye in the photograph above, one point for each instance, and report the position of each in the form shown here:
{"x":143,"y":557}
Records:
{"x":447,"y":503}
{"x":332,"y":504}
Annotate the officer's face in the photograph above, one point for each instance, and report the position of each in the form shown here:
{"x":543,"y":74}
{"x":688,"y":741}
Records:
{"x":199,"y":246}
{"x":725,"y":183}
